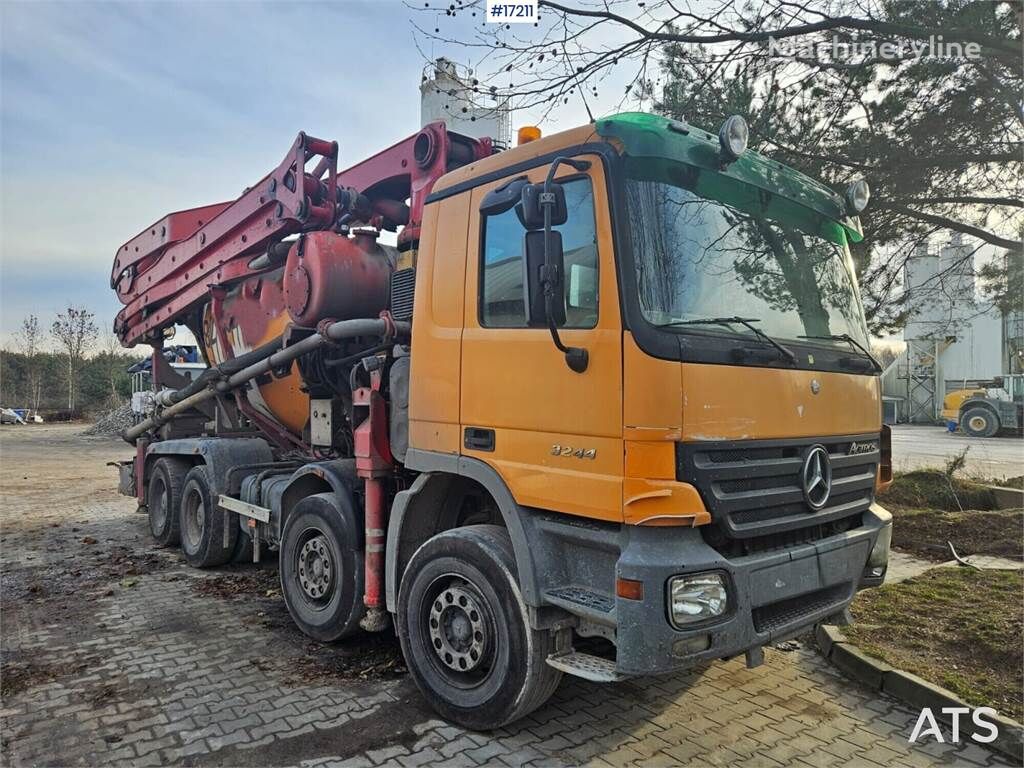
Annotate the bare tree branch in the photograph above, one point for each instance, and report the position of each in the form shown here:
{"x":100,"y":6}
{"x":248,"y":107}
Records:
{"x":1006,"y":50}
{"x":954,"y":225}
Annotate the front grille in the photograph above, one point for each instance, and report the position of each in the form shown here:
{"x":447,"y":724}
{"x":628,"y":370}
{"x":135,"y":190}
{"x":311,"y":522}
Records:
{"x":772,"y":542}
{"x":775,"y":616}
{"x":753,"y":489}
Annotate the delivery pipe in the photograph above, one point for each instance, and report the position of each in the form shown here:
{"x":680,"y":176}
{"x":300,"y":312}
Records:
{"x":218,"y":373}
{"x":345,"y":329}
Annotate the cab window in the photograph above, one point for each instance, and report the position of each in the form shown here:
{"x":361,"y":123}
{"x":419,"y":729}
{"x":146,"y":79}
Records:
{"x":502,"y":298}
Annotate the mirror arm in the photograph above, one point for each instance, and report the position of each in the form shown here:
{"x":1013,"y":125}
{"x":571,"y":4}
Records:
{"x":576,"y":358}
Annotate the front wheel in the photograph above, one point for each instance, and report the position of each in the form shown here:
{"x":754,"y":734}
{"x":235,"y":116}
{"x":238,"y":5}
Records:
{"x":465,"y":633}
{"x":979,"y":422}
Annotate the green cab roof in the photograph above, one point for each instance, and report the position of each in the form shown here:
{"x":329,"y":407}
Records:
{"x":654,"y":136}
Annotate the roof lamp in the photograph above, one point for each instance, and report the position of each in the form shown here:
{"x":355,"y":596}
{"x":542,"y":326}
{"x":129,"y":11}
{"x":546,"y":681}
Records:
{"x":527,"y":133}
{"x":857,"y":196}
{"x":733,"y":137}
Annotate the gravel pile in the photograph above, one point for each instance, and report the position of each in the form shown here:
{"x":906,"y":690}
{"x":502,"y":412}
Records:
{"x":113,"y":422}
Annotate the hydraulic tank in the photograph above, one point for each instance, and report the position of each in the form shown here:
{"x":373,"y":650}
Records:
{"x":328,"y":275}
{"x":325,"y":275}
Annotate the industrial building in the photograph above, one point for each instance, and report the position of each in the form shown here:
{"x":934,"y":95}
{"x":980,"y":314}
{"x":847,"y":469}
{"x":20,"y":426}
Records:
{"x":451,"y":94}
{"x":954,"y":339}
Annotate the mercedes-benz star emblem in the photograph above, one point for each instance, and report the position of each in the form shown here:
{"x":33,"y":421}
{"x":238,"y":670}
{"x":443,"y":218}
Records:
{"x":817,"y":477}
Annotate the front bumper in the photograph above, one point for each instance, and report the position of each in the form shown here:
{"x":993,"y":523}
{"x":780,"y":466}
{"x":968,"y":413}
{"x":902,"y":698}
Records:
{"x":773,"y":595}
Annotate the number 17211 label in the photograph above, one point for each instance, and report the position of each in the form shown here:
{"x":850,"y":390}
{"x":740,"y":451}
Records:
{"x":508,"y":12}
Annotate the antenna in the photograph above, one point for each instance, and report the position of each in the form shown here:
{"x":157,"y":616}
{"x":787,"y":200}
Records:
{"x":585,"y":105}
{"x":580,"y":87}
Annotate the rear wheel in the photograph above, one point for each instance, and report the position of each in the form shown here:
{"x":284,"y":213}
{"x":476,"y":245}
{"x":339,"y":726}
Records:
{"x":163,"y":498}
{"x":321,"y":567}
{"x":203,"y":524}
{"x":465,"y":633}
{"x":979,"y":422}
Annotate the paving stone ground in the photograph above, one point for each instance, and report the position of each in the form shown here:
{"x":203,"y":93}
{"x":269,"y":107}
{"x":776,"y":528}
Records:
{"x":903,"y":566}
{"x":115,"y":653}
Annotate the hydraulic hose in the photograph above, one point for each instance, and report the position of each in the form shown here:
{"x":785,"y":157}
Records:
{"x":345,"y":329}
{"x":219,"y":372}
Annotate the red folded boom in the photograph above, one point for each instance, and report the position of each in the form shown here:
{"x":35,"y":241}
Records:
{"x":166,"y":271}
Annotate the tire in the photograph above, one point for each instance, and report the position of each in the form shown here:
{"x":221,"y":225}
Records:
{"x":464,"y":581}
{"x":202,"y":523}
{"x":320,"y":562}
{"x":979,"y":422}
{"x":242,"y":552}
{"x":163,"y":498}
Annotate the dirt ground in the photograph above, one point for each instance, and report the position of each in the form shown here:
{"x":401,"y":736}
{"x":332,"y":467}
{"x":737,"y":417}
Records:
{"x":114,"y":652}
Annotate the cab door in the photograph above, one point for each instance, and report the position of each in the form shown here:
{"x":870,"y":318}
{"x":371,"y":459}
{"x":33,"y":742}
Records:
{"x":554,"y":435}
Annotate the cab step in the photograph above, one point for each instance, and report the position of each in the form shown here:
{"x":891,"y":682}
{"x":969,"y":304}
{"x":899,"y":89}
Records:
{"x":586,"y":665}
{"x":580,"y":597}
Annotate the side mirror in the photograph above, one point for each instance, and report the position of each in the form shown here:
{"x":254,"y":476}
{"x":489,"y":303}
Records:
{"x":533,"y":247}
{"x":504,"y":198}
{"x":532,"y":213}
{"x":541,"y":207}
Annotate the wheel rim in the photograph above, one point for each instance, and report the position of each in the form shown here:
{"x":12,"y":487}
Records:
{"x":457,"y":630}
{"x":194,"y":518}
{"x":315,"y":568}
{"x":460,"y":631}
{"x":977,"y":423}
{"x":158,"y":505}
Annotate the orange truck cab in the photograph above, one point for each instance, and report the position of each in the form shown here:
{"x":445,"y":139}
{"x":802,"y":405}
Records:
{"x":703,"y":483}
{"x":607,"y":410}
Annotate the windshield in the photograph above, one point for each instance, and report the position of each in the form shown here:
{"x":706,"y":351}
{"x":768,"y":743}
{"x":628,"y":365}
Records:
{"x":699,"y":258}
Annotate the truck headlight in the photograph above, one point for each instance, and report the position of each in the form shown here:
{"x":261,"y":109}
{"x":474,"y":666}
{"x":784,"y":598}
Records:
{"x":697,"y":597}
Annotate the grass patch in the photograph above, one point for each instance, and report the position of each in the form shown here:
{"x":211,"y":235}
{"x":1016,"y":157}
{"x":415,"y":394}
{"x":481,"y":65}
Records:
{"x":931,"y":508}
{"x":934,"y":489}
{"x":955,"y":627}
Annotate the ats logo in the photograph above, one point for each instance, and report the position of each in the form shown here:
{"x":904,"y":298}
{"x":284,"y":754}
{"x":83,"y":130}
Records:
{"x":984,"y":730}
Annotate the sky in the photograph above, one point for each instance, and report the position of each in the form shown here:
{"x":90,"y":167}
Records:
{"x":114,"y":114}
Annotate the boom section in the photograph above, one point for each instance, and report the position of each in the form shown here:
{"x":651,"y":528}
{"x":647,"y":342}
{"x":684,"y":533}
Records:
{"x":166,"y":271}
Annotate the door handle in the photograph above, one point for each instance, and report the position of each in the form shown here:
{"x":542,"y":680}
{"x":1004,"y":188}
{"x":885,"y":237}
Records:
{"x":477,"y":439}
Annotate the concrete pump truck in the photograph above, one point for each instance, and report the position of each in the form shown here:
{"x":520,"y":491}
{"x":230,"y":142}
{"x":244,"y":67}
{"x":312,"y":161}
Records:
{"x":605,"y":410}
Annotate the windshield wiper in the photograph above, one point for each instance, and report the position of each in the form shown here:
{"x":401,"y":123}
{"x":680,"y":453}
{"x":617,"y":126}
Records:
{"x":852,"y":342}
{"x":746,"y":322}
